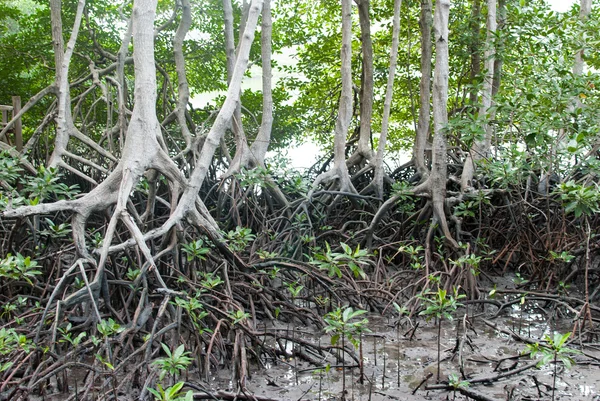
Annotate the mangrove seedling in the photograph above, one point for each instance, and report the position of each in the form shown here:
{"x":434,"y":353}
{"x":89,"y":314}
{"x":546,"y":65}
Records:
{"x":555,"y":351}
{"x":440,"y":305}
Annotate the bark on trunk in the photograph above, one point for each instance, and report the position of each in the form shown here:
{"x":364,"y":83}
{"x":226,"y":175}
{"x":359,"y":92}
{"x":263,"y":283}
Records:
{"x":440,"y":117}
{"x":481,"y":146}
{"x":62,"y":58}
{"x":387,"y":105}
{"x":474,"y":49}
{"x":183,"y":88}
{"x":364,"y":150}
{"x":339,"y":171}
{"x":424,"y":90}
{"x":259,"y":147}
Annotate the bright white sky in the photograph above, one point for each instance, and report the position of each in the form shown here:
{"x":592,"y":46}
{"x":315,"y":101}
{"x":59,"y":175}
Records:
{"x":561,"y":5}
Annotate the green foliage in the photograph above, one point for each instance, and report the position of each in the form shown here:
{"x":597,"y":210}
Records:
{"x":455,"y":382}
{"x":174,"y":363}
{"x":46,"y":185}
{"x":564,"y":256}
{"x":19,"y":267}
{"x":56,"y":230}
{"x":470,"y":261}
{"x":67,"y":336}
{"x":210,"y":280}
{"x":415,"y":254}
{"x":237,"y":316}
{"x":239,"y":238}
{"x":339,"y":322}
{"x":195,"y":310}
{"x":11,"y":341}
{"x":10,"y":169}
{"x":439,"y":304}
{"x":109,"y":327}
{"x":406,"y":199}
{"x":579,"y":199}
{"x":334,"y":262}
{"x":295,"y":289}
{"x":195,"y":250}
{"x":172,"y":393}
{"x":257,"y":176}
{"x":554,"y":350}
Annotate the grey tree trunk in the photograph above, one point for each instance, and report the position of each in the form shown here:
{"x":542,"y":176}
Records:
{"x":435,"y":186}
{"x":364,"y":150}
{"x":339,"y":171}
{"x":183,"y":87}
{"x":259,"y":147}
{"x":481,"y":146}
{"x":423,"y":126}
{"x":387,"y":105}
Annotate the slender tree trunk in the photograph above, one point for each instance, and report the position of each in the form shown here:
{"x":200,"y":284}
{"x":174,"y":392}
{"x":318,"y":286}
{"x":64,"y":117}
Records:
{"x":364,"y":150}
{"x":387,"y":105}
{"x":62,"y":58}
{"x":585,"y":9}
{"x":188,"y":200}
{"x":439,"y":167}
{"x":339,"y":171}
{"x":242,"y":149}
{"x":183,"y":88}
{"x":481,"y":146}
{"x":498,"y":59}
{"x":474,"y":49}
{"x":423,"y":126}
{"x":260,"y":145}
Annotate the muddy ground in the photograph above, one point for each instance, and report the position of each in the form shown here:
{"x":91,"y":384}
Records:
{"x":396,"y":362}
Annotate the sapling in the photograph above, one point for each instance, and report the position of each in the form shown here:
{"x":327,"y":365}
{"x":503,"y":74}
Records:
{"x":339,"y":322}
{"x":440,"y":305}
{"x":555,"y":351}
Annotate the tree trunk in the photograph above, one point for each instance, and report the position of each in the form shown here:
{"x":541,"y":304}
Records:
{"x":387,"y":105}
{"x":259,"y":147}
{"x":62,"y":59}
{"x":364,"y":150}
{"x":474,"y":49}
{"x":440,"y":117}
{"x":435,"y":186}
{"x":339,"y":171}
{"x":585,"y":9}
{"x":424,"y":90}
{"x":481,"y":146}
{"x":183,"y":88}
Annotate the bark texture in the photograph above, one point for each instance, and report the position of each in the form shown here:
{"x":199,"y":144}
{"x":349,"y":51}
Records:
{"x":481,"y":146}
{"x":423,"y":126}
{"x":387,"y":106}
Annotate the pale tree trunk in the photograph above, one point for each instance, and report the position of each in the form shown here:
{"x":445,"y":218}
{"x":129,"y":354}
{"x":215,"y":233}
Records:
{"x":387,"y":105}
{"x":585,"y":9}
{"x":364,"y":151}
{"x":62,"y":59}
{"x":183,"y":87}
{"x":474,"y":49}
{"x":339,"y":171}
{"x":142,"y":151}
{"x":584,"y":14}
{"x":259,"y":147}
{"x":242,"y":150}
{"x":440,"y":117}
{"x":481,"y":146}
{"x":187,"y":203}
{"x":498,"y":63}
{"x":435,"y":186}
{"x":65,"y":128}
{"x":424,"y":90}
